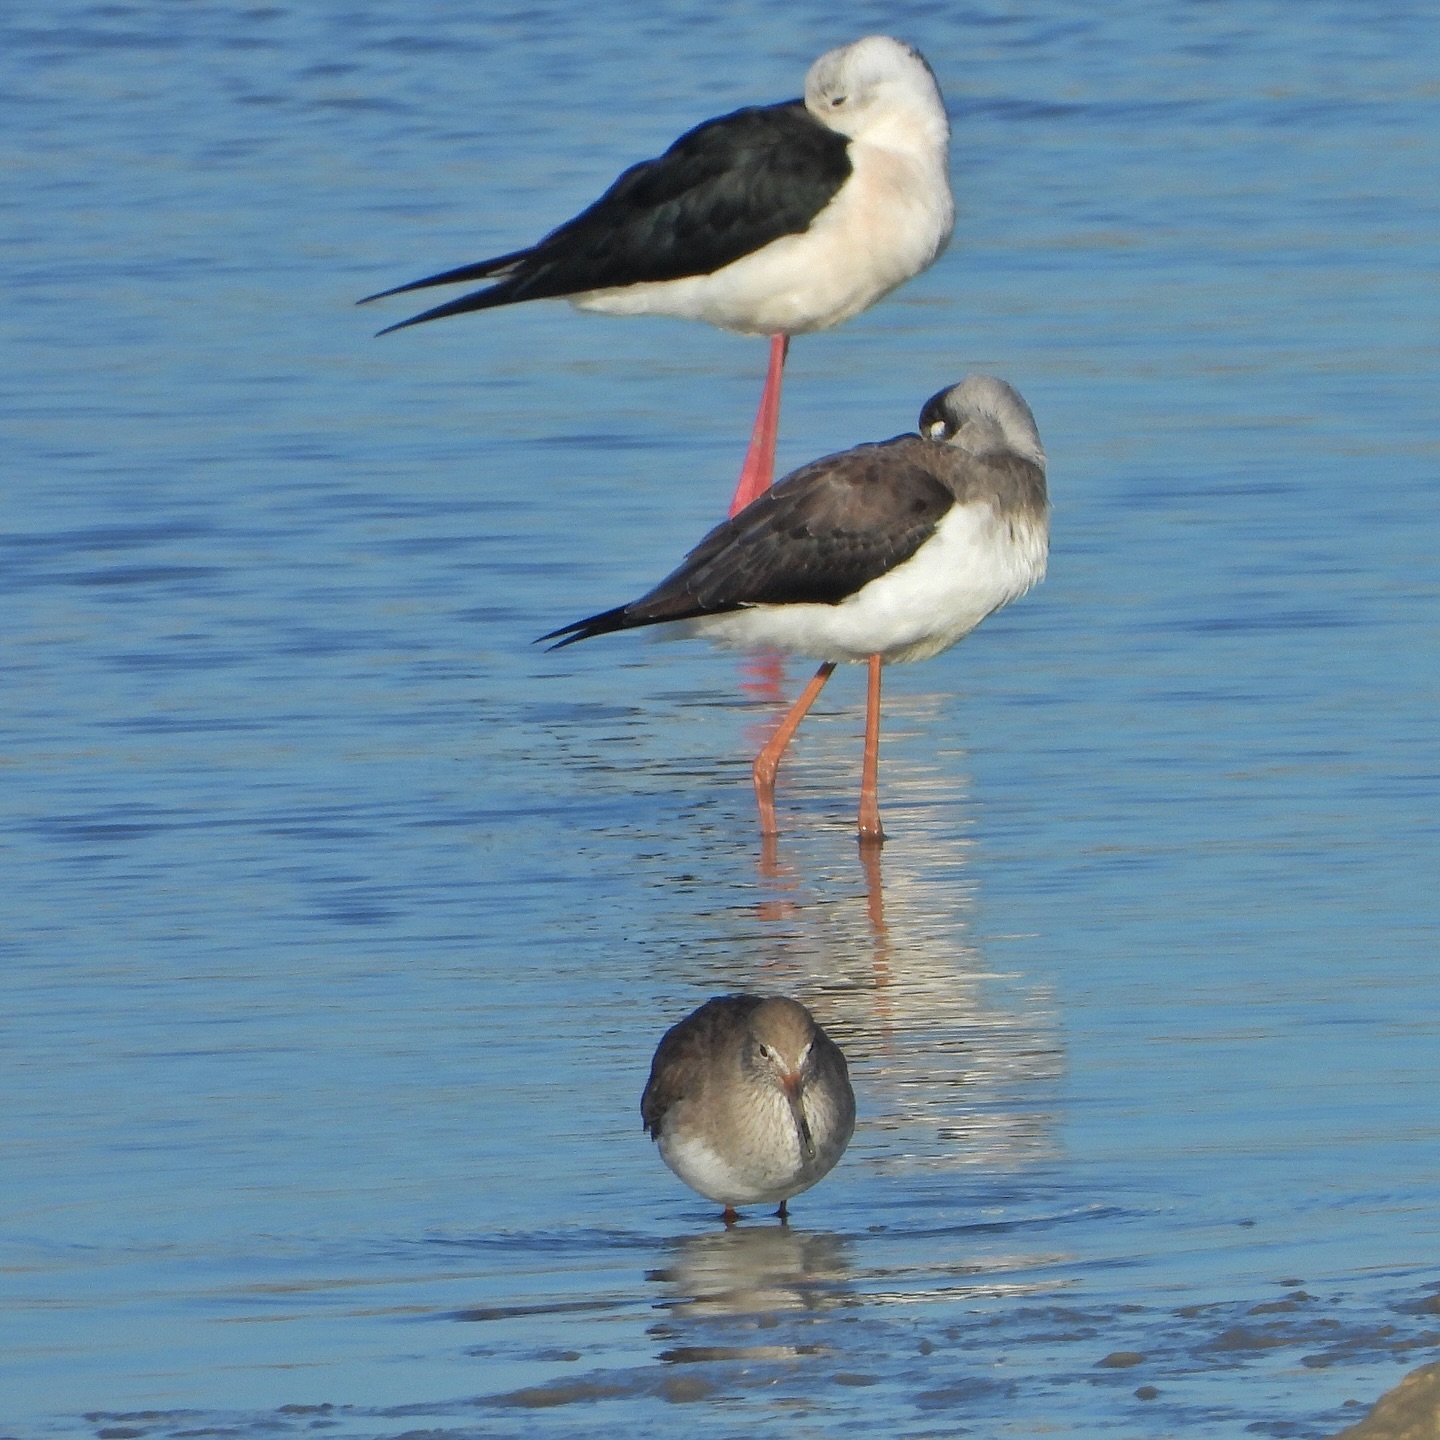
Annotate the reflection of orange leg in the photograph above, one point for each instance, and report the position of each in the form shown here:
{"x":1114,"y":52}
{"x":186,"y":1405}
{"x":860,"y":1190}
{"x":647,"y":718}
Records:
{"x":880,"y":932}
{"x":875,"y":898}
{"x":875,"y":908}
{"x":870,"y":830}
{"x":767,"y":762}
{"x":769,"y":856}
{"x":763,"y":676}
{"x":759,"y":468}
{"x":780,"y":877}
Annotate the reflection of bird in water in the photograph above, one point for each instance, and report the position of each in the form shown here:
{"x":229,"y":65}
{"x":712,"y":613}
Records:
{"x":956,"y":1054}
{"x":949,"y":1030}
{"x":774,"y":220}
{"x":740,"y":1271}
{"x":884,"y":553}
{"x":749,"y":1101}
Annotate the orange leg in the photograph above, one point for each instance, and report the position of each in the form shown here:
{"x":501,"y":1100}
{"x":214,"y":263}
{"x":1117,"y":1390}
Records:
{"x":870,"y":830}
{"x":759,"y":468}
{"x":767,"y":762}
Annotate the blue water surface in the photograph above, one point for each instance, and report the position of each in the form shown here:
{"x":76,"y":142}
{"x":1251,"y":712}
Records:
{"x":340,"y":921}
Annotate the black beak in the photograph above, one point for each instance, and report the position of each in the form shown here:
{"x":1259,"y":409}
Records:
{"x":797,"y":1109}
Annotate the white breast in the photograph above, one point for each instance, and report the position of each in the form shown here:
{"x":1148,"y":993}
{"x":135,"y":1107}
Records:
{"x":889,"y":220}
{"x":717,"y":1178}
{"x":976,"y":561}
{"x":759,"y":1162}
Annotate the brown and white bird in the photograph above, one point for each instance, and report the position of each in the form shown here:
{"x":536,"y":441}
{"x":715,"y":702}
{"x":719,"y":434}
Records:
{"x":749,"y":1101}
{"x":884,"y":553}
{"x":773,"y":220}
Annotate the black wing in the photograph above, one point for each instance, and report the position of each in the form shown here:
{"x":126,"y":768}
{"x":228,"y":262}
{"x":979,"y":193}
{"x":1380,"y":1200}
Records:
{"x":720,"y":192}
{"x":819,"y":536}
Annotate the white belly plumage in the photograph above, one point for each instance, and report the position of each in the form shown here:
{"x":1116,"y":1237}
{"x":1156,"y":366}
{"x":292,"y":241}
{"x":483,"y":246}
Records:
{"x":891,"y":218}
{"x":716,"y":1178}
{"x":762,"y":1163}
{"x":975,"y":562}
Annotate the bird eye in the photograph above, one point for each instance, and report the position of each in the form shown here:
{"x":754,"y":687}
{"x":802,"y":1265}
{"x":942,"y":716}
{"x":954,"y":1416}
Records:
{"x":836,"y":101}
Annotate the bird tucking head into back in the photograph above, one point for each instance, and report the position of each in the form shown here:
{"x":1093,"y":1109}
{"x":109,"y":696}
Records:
{"x":864,"y":89}
{"x":983,"y":416}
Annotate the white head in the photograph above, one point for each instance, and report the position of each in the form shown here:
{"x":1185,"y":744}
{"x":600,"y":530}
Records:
{"x":982,"y":415}
{"x":873,"y":84}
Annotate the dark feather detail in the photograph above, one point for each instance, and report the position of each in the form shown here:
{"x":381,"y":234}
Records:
{"x":722,"y":191}
{"x":683,"y":1053}
{"x":601,"y":624}
{"x":480,"y":270}
{"x":818,"y":537}
{"x":1014,"y":485}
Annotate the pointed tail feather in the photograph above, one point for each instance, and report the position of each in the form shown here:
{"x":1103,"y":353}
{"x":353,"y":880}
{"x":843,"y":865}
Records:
{"x":492,"y":269}
{"x":633,"y":616}
{"x":501,"y":294}
{"x":656,"y":608}
{"x":601,"y":624}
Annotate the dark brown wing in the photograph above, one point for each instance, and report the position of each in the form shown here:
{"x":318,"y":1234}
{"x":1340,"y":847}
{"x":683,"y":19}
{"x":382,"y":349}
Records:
{"x":683,"y":1052}
{"x":829,"y":1062}
{"x":1014,"y":485}
{"x":819,"y":536}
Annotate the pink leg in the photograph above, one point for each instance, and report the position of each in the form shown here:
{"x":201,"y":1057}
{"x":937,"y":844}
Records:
{"x":759,"y":468}
{"x":767,"y":762}
{"x":870,"y":831}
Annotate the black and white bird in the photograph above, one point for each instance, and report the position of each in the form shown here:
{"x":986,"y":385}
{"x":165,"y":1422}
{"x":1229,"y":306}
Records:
{"x":773,"y":220}
{"x":884,"y":553}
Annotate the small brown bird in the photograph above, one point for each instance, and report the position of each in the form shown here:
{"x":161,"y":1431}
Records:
{"x":749,"y":1101}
